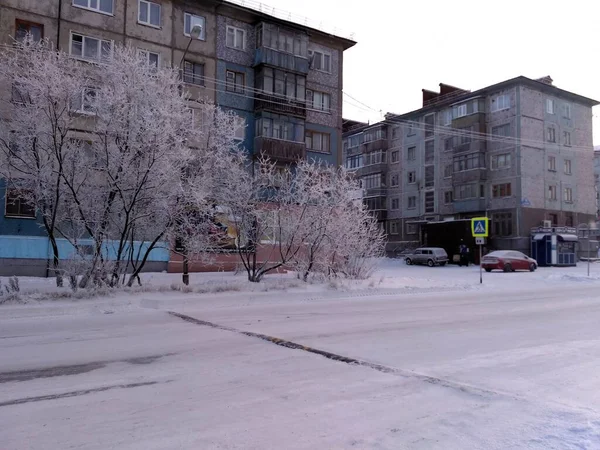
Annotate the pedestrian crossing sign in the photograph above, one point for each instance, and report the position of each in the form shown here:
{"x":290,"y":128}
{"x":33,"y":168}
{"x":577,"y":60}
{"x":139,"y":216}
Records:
{"x":479,"y":227}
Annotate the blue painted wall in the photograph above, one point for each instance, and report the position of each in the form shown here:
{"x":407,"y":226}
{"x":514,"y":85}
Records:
{"x":37,"y":247}
{"x":234,"y":100}
{"x":329,"y":158}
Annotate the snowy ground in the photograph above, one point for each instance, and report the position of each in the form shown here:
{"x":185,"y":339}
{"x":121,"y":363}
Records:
{"x":436,"y":361}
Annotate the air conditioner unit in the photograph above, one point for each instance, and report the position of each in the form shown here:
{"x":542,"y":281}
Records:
{"x":547,"y":224}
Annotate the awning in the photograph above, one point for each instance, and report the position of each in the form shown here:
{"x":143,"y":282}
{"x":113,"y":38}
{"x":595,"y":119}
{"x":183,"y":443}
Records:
{"x":567,"y":238}
{"x":539,"y":237}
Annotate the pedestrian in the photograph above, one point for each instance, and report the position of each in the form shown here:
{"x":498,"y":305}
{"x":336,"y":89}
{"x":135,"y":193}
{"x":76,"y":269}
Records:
{"x":463,"y":251}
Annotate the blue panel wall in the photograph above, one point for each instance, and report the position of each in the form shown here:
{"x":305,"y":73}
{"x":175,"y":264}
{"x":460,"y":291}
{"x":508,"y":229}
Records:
{"x":329,"y":158}
{"x":242,"y":101}
{"x":36,"y":247}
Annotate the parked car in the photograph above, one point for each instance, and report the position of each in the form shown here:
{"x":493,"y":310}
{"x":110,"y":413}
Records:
{"x":432,"y":256}
{"x":508,"y":261}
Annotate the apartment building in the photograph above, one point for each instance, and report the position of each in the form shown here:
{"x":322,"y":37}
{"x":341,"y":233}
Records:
{"x":282,"y":79}
{"x":519,"y":152}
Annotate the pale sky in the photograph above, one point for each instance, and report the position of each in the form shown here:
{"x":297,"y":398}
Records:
{"x":404,"y":46}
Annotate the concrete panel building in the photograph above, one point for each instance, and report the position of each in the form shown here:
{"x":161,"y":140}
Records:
{"x":282,"y":79}
{"x":519,"y":152}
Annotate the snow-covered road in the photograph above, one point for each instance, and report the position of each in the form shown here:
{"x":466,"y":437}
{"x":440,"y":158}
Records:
{"x":484,"y":369}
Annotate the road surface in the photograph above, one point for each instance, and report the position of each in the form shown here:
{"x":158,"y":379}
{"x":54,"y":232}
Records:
{"x":439,"y":370}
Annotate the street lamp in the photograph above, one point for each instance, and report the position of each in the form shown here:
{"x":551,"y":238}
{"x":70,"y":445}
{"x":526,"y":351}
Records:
{"x":195,"y":33}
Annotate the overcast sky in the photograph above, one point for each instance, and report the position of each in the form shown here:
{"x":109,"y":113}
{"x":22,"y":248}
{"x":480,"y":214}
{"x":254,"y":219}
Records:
{"x":404,"y":46}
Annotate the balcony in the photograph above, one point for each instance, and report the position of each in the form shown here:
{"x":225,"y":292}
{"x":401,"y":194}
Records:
{"x":468,"y":176}
{"x":279,"y":150}
{"x":373,"y":168}
{"x":379,"y":144}
{"x":275,"y":58}
{"x":376,"y":192}
{"x":278,"y":104}
{"x":380,"y":214}
{"x":469,"y":205}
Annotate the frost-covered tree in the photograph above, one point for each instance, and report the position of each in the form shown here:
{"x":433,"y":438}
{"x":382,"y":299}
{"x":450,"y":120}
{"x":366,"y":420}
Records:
{"x":35,"y":134}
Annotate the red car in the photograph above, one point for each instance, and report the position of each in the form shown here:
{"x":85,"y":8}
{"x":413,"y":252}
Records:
{"x":508,"y":261}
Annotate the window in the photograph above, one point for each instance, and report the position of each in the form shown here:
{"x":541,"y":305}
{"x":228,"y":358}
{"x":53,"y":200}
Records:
{"x":501,"y":161}
{"x":448,"y":197}
{"x":396,"y":133}
{"x":90,"y":48}
{"x":286,"y":128}
{"x":22,"y":28}
{"x":429,"y":176}
{"x":151,"y":58}
{"x":411,"y":228}
{"x":549,"y":106}
{"x":447,"y":117}
{"x":190,"y":21}
{"x":19,"y":95}
{"x":193,"y":73}
{"x":568,"y":195}
{"x":468,"y":162}
{"x":103,"y":6}
{"x":395,"y":203}
{"x":429,"y":125}
{"x":282,"y":84}
{"x":567,"y":111}
{"x":84,"y":102}
{"x":273,"y":37}
{"x":412,"y":177}
{"x":551,"y":192}
{"x":393,"y":227}
{"x":502,"y":130}
{"x":429,"y":202}
{"x":502,"y":224}
{"x":235,"y":38}
{"x":501,"y":190}
{"x":448,"y":144}
{"x":552,"y":163}
{"x":412,"y":202}
{"x":412,"y":129}
{"x":373,"y":181}
{"x":468,"y":191}
{"x":567,"y":138}
{"x":551,"y":134}
{"x":569,"y":219}
{"x":459,"y":111}
{"x":354,"y":162}
{"x":429,"y":152}
{"x":376,"y":157}
{"x":568,"y":166}
{"x":395,"y":180}
{"x":500,"y":102}
{"x":375,"y":135}
{"x":396,"y":156}
{"x":16,"y":204}
{"x":320,"y":61}
{"x":448,"y":171}
{"x":236,"y":81}
{"x":240,"y":125}
{"x":553,"y":218}
{"x":319,"y":100}
{"x":464,"y":135}
{"x":411,"y":153}
{"x":149,"y":13}
{"x":318,"y":142}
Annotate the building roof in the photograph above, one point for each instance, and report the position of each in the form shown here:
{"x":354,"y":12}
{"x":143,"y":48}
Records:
{"x":264,"y":11}
{"x":535,"y":84}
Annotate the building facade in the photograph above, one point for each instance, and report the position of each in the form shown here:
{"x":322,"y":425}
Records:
{"x":519,"y":152}
{"x":283,"y":80}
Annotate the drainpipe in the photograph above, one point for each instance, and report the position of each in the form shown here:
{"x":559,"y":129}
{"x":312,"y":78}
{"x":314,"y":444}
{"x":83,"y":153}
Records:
{"x":59,"y":24}
{"x":518,"y":158}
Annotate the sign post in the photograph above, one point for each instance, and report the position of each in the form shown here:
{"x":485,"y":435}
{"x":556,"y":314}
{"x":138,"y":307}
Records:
{"x":480,"y":230}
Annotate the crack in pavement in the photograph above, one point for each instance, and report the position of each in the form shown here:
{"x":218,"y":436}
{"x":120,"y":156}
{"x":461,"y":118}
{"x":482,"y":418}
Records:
{"x":76,"y":369}
{"x":464,"y":388}
{"x":41,"y":398}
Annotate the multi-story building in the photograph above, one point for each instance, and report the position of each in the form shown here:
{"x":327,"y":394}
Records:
{"x":519,"y":152}
{"x":597,"y":178}
{"x":282,"y":79}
